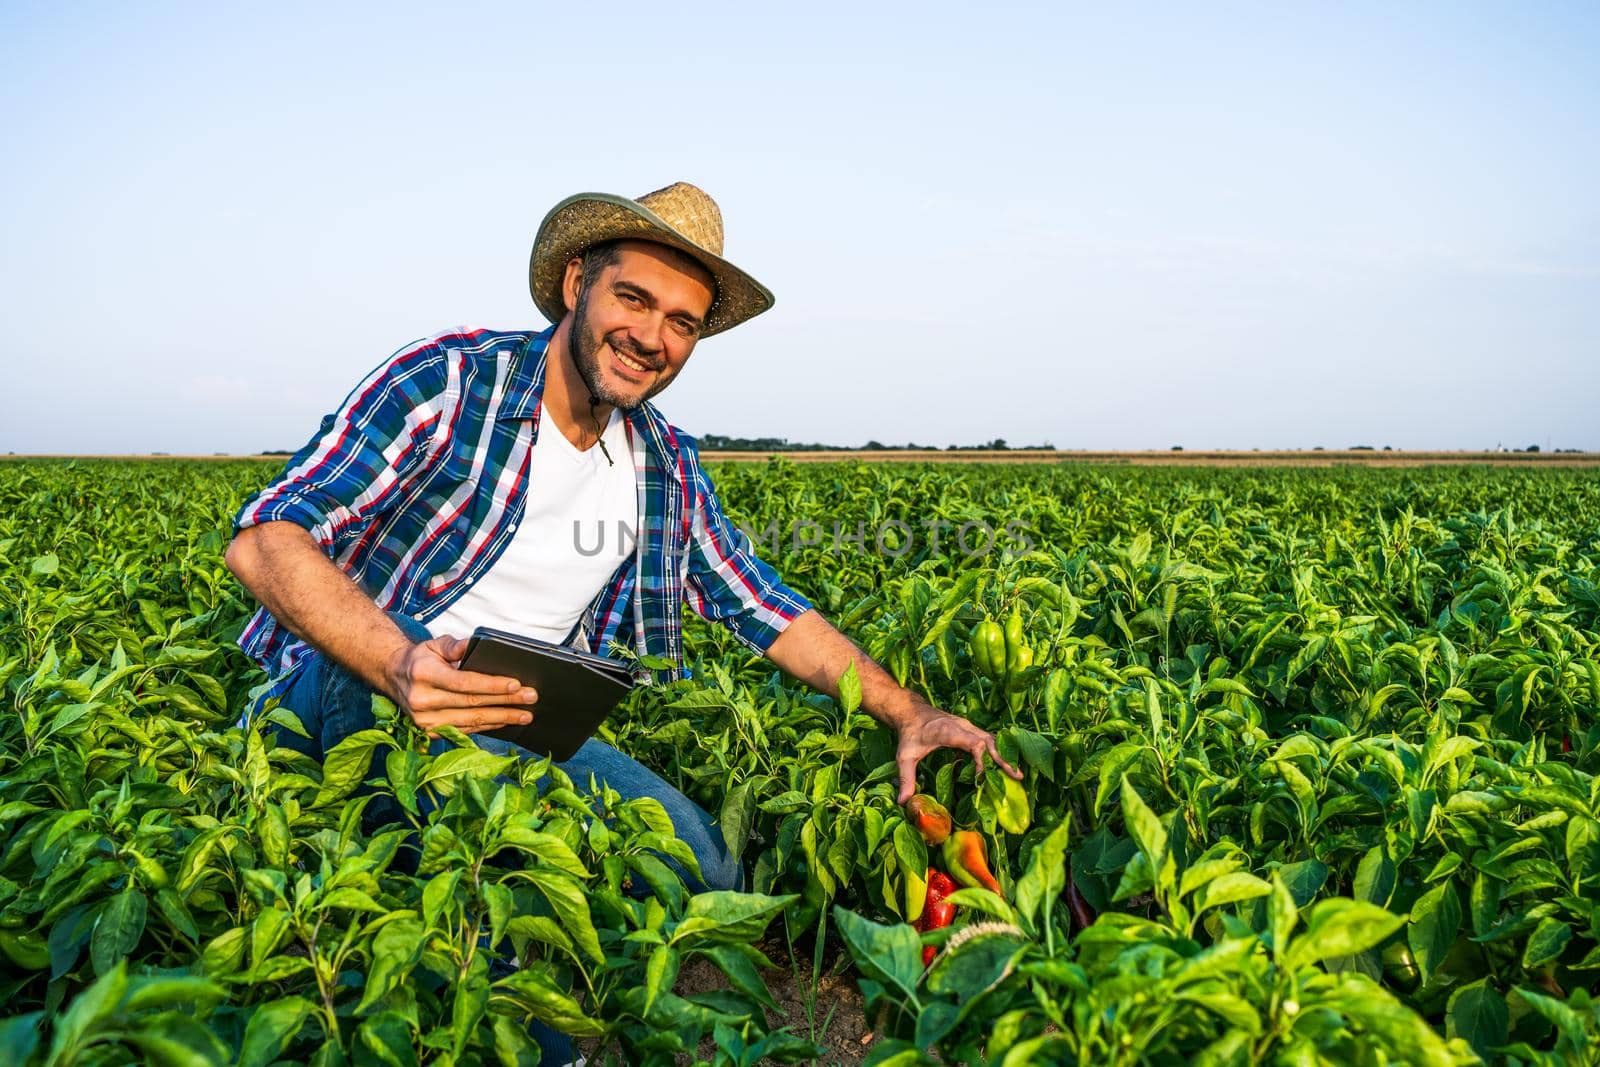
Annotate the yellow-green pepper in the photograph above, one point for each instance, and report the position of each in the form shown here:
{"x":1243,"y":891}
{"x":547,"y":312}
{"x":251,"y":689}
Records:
{"x":989,"y":649}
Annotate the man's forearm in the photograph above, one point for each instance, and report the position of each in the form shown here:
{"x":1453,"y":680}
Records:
{"x":288,"y":572}
{"x":812,"y":650}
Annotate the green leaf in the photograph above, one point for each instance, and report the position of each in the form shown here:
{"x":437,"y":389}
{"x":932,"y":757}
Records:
{"x":438,"y":895}
{"x":935,"y":1021}
{"x":735,"y":819}
{"x":546,"y":849}
{"x":442,"y":774}
{"x":1435,"y":920}
{"x":536,"y":993}
{"x":1143,"y":825}
{"x":348,"y":763}
{"x":1042,"y":883}
{"x":183,"y":656}
{"x":897,"y":1052}
{"x":271,"y":1027}
{"x":1282,"y":914}
{"x":1375,"y":877}
{"x":660,"y":972}
{"x":385,"y":1039}
{"x":974,"y":967}
{"x":1403,"y":1034}
{"x":395,"y":953}
{"x":513,"y":1046}
{"x":19,"y":1036}
{"x":739,"y":964}
{"x":662,"y":880}
{"x":1546,"y":943}
{"x":97,"y":1002}
{"x":890,"y":954}
{"x":1479,"y":1016}
{"x":850,"y":689}
{"x":1571,"y":1025}
{"x":1230,"y":889}
{"x":1341,"y":927}
{"x":1037,"y":750}
{"x":172,"y":1039}
{"x":1112,"y":766}
{"x":1304,"y":880}
{"x":150,"y":992}
{"x":500,"y":903}
{"x":570,"y":904}
{"x":118,"y":929}
{"x":728,"y":917}
{"x":352,"y":899}
{"x":45,"y":565}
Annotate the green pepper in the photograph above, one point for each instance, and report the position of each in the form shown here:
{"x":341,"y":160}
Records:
{"x":1400,"y":966}
{"x":1019,"y":662}
{"x":1016,"y":644}
{"x":1013,"y":812}
{"x":989,"y":649}
{"x":27,"y":950}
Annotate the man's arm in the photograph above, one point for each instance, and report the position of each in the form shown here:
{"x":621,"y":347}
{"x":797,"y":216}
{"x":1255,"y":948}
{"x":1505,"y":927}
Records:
{"x":729,"y":584}
{"x":346,"y":476}
{"x":282,"y":565}
{"x":813,"y":651}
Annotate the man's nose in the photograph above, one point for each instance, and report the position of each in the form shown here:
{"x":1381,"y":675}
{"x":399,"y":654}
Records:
{"x":647,"y":334}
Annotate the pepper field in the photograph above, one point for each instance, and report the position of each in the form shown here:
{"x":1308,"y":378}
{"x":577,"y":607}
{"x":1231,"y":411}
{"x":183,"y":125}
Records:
{"x":1310,"y":770}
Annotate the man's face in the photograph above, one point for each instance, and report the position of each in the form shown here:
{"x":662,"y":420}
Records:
{"x":633,"y":329}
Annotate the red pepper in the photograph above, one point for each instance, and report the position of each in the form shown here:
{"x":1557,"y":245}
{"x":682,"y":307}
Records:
{"x":937,"y":913}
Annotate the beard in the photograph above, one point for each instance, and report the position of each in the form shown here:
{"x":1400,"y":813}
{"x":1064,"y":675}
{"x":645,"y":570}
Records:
{"x":585,"y":346}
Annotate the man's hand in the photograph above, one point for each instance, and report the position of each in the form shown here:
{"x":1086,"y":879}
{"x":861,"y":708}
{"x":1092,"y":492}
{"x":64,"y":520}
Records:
{"x":425,"y":681}
{"x":812,"y":650}
{"x":287,"y":571}
{"x":929,"y":729}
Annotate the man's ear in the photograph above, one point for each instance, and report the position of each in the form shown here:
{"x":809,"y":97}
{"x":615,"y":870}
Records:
{"x":572,"y":282}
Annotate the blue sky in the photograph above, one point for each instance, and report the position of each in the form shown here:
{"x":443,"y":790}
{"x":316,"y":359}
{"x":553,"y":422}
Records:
{"x":1220,"y":226}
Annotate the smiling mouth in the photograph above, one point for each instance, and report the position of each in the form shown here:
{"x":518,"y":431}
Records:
{"x":633,"y":364}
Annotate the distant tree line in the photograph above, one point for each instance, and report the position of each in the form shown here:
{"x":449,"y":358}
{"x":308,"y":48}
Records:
{"x":714,"y":442}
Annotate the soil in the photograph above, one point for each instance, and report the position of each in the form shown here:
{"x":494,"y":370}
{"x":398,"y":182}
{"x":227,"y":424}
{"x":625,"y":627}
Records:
{"x":831,"y":1012}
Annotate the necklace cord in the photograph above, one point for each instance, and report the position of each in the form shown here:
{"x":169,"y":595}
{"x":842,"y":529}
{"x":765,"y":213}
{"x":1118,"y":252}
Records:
{"x":599,"y":434}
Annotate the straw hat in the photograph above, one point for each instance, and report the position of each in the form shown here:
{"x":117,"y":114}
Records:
{"x":679,"y":216}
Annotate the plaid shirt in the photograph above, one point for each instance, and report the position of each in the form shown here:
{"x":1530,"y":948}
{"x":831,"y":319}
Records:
{"x":415,"y":486}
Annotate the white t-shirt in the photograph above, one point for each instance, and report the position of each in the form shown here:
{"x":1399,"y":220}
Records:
{"x":578,"y":524}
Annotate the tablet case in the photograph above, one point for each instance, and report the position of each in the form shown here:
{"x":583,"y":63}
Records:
{"x":577,"y":690}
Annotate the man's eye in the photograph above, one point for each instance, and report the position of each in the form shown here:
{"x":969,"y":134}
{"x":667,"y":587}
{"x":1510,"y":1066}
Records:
{"x":631,"y":299}
{"x":686,"y":328}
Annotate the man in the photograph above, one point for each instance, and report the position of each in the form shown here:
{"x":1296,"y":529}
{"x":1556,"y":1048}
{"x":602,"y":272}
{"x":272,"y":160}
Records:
{"x":446,"y":491}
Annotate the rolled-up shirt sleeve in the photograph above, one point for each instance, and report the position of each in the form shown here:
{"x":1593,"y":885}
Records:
{"x":728,"y":583}
{"x":353,"y":467}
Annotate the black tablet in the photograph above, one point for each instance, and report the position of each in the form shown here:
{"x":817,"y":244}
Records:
{"x":577,"y":690}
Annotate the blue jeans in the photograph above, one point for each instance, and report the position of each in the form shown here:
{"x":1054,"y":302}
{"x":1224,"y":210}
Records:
{"x":332,"y":704}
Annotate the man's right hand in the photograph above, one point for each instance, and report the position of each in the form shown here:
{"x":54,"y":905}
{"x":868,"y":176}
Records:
{"x":426,"y":682}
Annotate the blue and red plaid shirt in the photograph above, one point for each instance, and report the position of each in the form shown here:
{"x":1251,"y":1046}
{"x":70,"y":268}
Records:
{"x":416,"y":484}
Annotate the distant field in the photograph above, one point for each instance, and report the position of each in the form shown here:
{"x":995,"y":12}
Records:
{"x":1359,"y":457}
{"x":1198,"y":459}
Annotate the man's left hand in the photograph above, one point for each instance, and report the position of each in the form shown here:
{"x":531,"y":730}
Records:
{"x":929,"y":729}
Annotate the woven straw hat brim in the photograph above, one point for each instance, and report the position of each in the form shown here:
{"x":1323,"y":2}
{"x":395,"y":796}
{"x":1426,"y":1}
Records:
{"x":588,"y":219}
